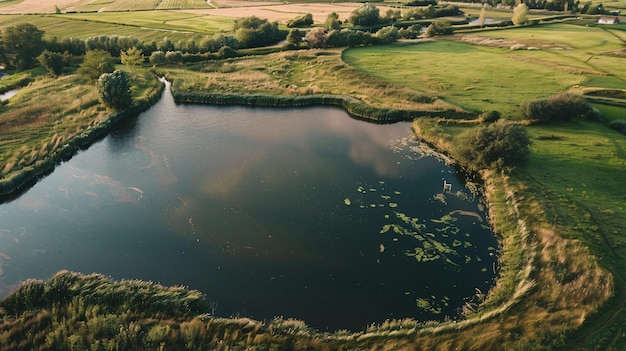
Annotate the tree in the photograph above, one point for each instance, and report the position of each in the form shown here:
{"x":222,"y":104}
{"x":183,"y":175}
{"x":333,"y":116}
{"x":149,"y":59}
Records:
{"x":366,"y":15}
{"x":132,"y":58}
{"x":217,"y":41}
{"x":490,"y":116}
{"x":316,"y":37}
{"x":157,"y":58}
{"x":301,"y":21}
{"x":294,"y":38}
{"x":439,"y":27}
{"x":392,"y":16}
{"x":96,"y":63}
{"x":174,"y":57}
{"x":387,"y":35}
{"x":481,"y":17}
{"x":332,"y":22}
{"x":520,"y":14}
{"x":412,"y":32}
{"x":166,"y":45}
{"x":226,"y":52}
{"x":502,"y":146}
{"x":52,"y":61}
{"x":114,"y":44}
{"x":114,"y":89}
{"x":254,"y":32}
{"x":560,"y":107}
{"x":619,"y":125}
{"x":23,"y":43}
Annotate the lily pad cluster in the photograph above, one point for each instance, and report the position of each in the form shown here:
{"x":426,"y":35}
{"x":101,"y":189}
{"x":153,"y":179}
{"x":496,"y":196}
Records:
{"x":435,"y":239}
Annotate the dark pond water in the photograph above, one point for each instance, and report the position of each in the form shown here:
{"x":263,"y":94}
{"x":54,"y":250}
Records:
{"x":303,"y":213}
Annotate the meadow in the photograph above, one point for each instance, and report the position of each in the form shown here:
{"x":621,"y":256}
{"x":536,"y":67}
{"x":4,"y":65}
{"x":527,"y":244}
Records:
{"x":146,"y":26}
{"x":560,"y":219}
{"x":30,"y":132}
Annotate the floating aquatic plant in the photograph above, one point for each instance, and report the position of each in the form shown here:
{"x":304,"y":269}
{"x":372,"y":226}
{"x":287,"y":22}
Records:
{"x":431,"y":236}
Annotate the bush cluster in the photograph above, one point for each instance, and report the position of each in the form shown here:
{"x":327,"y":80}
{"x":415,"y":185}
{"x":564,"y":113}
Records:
{"x":301,"y":21}
{"x":503,"y":146}
{"x":255,"y":32}
{"x":619,"y":125}
{"x":114,"y":89}
{"x":560,"y":107}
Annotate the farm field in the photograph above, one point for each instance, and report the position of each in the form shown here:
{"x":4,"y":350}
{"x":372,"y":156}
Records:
{"x":174,"y":21}
{"x":174,"y":25}
{"x":32,"y":6}
{"x":273,"y":11}
{"x":285,"y":12}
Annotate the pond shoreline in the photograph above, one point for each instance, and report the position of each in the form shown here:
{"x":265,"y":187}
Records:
{"x":514,"y":227}
{"x":354,"y":107}
{"x":13,"y":183}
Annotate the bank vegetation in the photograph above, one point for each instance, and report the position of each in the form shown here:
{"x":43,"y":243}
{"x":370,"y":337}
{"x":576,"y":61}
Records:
{"x":553,"y":183}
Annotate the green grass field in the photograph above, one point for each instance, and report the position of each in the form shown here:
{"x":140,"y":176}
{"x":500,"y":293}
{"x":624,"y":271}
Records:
{"x":145,"y":25}
{"x":571,"y":196}
{"x":474,"y":77}
{"x":575,"y":180}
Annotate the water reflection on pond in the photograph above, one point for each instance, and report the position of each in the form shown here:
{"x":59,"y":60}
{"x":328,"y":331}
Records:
{"x":8,"y":94}
{"x":302,"y":213}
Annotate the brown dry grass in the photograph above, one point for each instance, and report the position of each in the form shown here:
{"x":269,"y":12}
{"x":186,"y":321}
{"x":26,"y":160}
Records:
{"x":298,"y":73}
{"x":508,"y":43}
{"x":46,"y":6}
{"x":272,"y":11}
{"x":280,"y":12}
{"x":571,"y":69}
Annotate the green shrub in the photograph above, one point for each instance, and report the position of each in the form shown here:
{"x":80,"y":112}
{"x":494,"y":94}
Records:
{"x":490,"y":116}
{"x":560,"y":107}
{"x":301,"y":21}
{"x":157,"y":58}
{"x":439,"y":27}
{"x":502,"y":146}
{"x":53,"y":62}
{"x":227,"y":52}
{"x":29,"y":296}
{"x":114,"y":89}
{"x":619,"y":125}
{"x":96,"y":63}
{"x":366,"y":15}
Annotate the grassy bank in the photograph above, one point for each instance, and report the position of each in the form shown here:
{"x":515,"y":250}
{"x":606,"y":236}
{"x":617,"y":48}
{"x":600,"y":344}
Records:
{"x":560,"y":219}
{"x":569,"y":258}
{"x":34,"y":137}
{"x":296,"y":78}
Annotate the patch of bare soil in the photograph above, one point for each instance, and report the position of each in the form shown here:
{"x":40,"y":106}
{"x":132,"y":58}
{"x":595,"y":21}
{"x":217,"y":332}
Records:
{"x":513,"y":44}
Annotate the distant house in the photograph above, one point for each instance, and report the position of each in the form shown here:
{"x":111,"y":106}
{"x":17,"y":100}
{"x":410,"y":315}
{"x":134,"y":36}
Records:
{"x":608,"y":20}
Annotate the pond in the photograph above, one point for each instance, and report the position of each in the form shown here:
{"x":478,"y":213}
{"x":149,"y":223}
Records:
{"x":302,"y":213}
{"x":489,"y":20}
{"x":8,"y":94}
